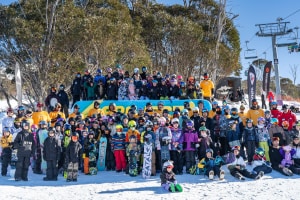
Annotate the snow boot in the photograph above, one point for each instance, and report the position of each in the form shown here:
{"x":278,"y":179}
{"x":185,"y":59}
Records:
{"x":259,"y":175}
{"x":211,"y":175}
{"x":287,"y":171}
{"x":222,"y":174}
{"x":172,"y":187}
{"x":239,"y":176}
{"x":178,"y":188}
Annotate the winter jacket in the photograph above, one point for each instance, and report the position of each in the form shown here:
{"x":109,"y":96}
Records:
{"x":153,"y":93}
{"x":167,"y":177}
{"x":174,"y":91}
{"x":8,"y":122}
{"x":254,"y":113}
{"x":52,"y":95}
{"x":263,"y":135}
{"x":238,"y":161}
{"x":6,"y":143}
{"x":63,"y":98}
{"x":275,"y":157}
{"x":143,"y":91}
{"x":122,"y":92}
{"x":98,"y":78}
{"x":73,"y":152}
{"x":249,"y":134}
{"x":85,"y":78}
{"x":177,"y":137}
{"x":118,"y":141}
{"x":190,"y":140}
{"x":277,"y":131}
{"x":40,"y":116}
{"x":89,"y":145}
{"x":51,"y":150}
{"x":76,"y":86}
{"x":288,"y":116}
{"x":91,"y":90}
{"x":275,"y":113}
{"x":24,"y":143}
{"x":162,"y":132}
{"x":112,"y":92}
{"x":233,"y":135}
{"x":163,"y":90}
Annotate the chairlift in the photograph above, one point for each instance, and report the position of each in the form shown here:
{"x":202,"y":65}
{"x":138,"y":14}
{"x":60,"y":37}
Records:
{"x":250,"y":53}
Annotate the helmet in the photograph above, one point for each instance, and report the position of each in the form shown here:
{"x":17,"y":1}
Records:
{"x":144,"y":68}
{"x":214,"y":103}
{"x":154,"y":81}
{"x":175,"y":120}
{"x":25,"y":123}
{"x":136,"y":70}
{"x":21,"y":108}
{"x":202,"y":128}
{"x":43,"y":122}
{"x":274,"y":103}
{"x":285,"y":106}
{"x":182,"y":84}
{"x":200,"y":101}
{"x":235,"y":148}
{"x":57,"y":124}
{"x":204,"y":110}
{"x":267,"y":112}
{"x":112,"y":104}
{"x":132,"y":123}
{"x":96,"y":103}
{"x":209,"y":150}
{"x":119,"y":126}
{"x":168,"y":164}
{"x":6,"y":129}
{"x":118,"y":66}
{"x":242,"y":107}
{"x":148,"y":123}
{"x":99,"y":71}
{"x":51,"y":129}
{"x":184,"y":112}
{"x":274,"y":121}
{"x":166,"y":111}
{"x":141,"y":119}
{"x":234,"y":112}
{"x":148,"y":104}
{"x":261,"y":119}
{"x":111,"y":119}
{"x":285,"y":124}
{"x":75,"y":134}
{"x":179,"y":77}
{"x":34,"y":127}
{"x":196,"y":109}
{"x":254,"y":101}
{"x":226,"y":107}
{"x":112,"y":79}
{"x":109,"y":70}
{"x":62,"y":87}
{"x":249,"y":121}
{"x":158,"y":74}
{"x":160,"y":103}
{"x":190,"y":123}
{"x":133,"y":107}
{"x":162,"y":120}
{"x":67,"y":127}
{"x":260,"y":151}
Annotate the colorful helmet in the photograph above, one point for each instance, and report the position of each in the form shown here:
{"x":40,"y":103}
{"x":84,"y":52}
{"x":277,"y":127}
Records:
{"x":214,"y":103}
{"x":148,"y":104}
{"x":119,"y":126}
{"x":75,"y":134}
{"x":43,"y":122}
{"x":99,"y":71}
{"x":274,"y":121}
{"x":261,"y":119}
{"x":6,"y":129}
{"x":67,"y":127}
{"x":226,"y":107}
{"x":202,"y":128}
{"x":267,"y":112}
{"x":175,"y":120}
{"x":25,"y":123}
{"x":179,"y":77}
{"x":190,"y":123}
{"x":184,"y":112}
{"x":242,"y":107}
{"x":204,"y":110}
{"x":196,"y":109}
{"x":274,"y":103}
{"x":136,"y":70}
{"x":260,"y":151}
{"x":148,"y":123}
{"x":168,"y":164}
{"x":51,"y":129}
{"x":160,"y":103}
{"x":162,"y":120}
{"x":285,"y":124}
{"x":132,"y":123}
{"x":141,"y":119}
{"x":34,"y":127}
{"x":234,"y":113}
{"x":249,"y":121}
{"x":186,"y":104}
{"x":154,"y":81}
{"x":144,"y":68}
{"x":182,"y":84}
{"x":235,"y":148}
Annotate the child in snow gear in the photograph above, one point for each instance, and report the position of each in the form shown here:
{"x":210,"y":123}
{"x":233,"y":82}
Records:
{"x":263,"y":137}
{"x":212,"y":166}
{"x":259,"y":161}
{"x":51,"y":155}
{"x":73,"y":156}
{"x":133,"y":154}
{"x":167,"y":178}
{"x":24,"y":143}
{"x":118,"y":147}
{"x":238,"y":169}
{"x":6,"y":145}
{"x":176,"y":147}
{"x":250,"y":140}
{"x":89,"y":154}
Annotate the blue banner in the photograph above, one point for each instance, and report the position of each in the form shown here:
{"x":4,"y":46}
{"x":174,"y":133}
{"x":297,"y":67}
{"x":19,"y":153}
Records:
{"x":124,"y":105}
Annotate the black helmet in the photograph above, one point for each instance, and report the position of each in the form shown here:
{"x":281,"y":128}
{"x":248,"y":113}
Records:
{"x":186,"y":104}
{"x":51,"y":129}
{"x":25,"y":123}
{"x":75,"y":134}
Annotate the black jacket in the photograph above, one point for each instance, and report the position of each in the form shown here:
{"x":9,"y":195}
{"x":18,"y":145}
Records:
{"x":76,"y":86}
{"x":174,"y":91}
{"x":73,"y":152}
{"x":275,"y":157}
{"x":63,"y":98}
{"x":24,"y":143}
{"x":166,"y":176}
{"x":154,"y":93}
{"x":51,"y":150}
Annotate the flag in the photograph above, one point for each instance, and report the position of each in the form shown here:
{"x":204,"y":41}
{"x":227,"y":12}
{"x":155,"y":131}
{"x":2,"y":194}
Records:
{"x":18,"y":83}
{"x":267,"y":77}
{"x":251,"y":84}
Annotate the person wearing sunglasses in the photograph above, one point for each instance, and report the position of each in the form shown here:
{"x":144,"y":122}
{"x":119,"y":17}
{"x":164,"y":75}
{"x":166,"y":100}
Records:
{"x":56,"y":114}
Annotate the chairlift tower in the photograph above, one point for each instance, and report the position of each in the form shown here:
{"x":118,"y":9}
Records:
{"x":272,"y":30}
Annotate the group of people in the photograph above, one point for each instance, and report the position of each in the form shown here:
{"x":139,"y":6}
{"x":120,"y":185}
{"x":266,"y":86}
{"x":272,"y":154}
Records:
{"x":197,"y":138}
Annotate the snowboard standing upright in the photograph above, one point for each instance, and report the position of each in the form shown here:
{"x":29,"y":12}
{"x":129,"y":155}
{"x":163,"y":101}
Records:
{"x":102,"y":154}
{"x":43,"y":134}
{"x":164,"y":147}
{"x":13,"y":162}
{"x":93,"y":162}
{"x":132,"y":152}
{"x":146,"y":173}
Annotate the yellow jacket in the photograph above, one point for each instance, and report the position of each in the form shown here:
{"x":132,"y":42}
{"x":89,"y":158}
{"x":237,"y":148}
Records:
{"x":207,"y":86}
{"x":5,"y":141}
{"x":211,"y":114}
{"x":74,"y":115}
{"x":255,"y":114}
{"x":40,"y":116}
{"x":95,"y":111}
{"x":243,"y":117}
{"x":53,"y":116}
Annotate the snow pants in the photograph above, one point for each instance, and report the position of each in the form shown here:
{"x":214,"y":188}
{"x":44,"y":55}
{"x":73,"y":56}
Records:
{"x":120,"y":159}
{"x":22,"y":166}
{"x":189,"y":160}
{"x":51,"y":172}
{"x":6,"y":157}
{"x":177,"y":158}
{"x":72,"y":171}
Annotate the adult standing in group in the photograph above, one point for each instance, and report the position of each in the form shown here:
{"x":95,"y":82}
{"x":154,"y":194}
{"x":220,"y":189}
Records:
{"x":51,"y":99}
{"x":40,"y":115}
{"x":63,"y":99}
{"x":287,"y":115}
{"x":8,"y":121}
{"x":255,"y":112}
{"x":87,"y":77}
{"x":207,"y":87}
{"x":76,"y":88}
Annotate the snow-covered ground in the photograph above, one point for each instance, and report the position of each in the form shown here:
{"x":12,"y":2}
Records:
{"x":112,"y":185}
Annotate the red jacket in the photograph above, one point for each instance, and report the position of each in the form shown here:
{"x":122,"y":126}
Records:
{"x":271,"y":96}
{"x":275,"y":113}
{"x":288,"y":116}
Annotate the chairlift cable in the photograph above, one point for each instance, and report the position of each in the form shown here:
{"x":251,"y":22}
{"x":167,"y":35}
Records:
{"x":291,"y":14}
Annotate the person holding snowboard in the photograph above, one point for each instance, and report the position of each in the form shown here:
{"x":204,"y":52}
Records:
{"x":6,"y":145}
{"x":25,"y":145}
{"x":73,"y":156}
{"x":168,"y":179}
{"x":51,"y":155}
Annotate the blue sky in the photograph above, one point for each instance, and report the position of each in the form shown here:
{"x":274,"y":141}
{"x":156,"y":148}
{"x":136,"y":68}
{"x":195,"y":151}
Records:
{"x":253,"y":12}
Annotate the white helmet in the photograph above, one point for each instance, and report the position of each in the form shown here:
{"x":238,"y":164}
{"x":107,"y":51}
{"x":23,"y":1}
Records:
{"x":195,"y":109}
{"x":175,"y":120}
{"x":136,"y":70}
{"x":168,"y":163}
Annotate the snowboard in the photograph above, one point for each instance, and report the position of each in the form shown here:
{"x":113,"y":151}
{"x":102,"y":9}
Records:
{"x":93,"y":162}
{"x":13,"y":162}
{"x":43,"y":134}
{"x":164,"y":149}
{"x":102,"y":154}
{"x":133,"y":167}
{"x":146,"y":173}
